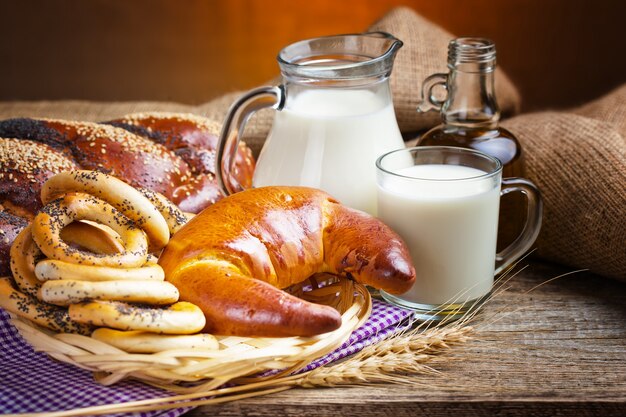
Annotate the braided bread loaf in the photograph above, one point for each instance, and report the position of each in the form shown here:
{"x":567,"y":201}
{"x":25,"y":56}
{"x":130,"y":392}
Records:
{"x":172,"y":154}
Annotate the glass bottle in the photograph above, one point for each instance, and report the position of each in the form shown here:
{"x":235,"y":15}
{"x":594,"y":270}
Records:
{"x":471,"y":115}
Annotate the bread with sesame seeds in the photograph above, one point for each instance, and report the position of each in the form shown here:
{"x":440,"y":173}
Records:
{"x":172,"y":154}
{"x":93,"y":146}
{"x":193,"y":138}
{"x":24,"y":166}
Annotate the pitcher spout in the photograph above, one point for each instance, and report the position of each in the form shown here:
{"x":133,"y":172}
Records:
{"x":340,"y":57}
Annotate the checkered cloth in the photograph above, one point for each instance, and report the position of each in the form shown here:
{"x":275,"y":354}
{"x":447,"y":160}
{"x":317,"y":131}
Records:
{"x":31,"y":382}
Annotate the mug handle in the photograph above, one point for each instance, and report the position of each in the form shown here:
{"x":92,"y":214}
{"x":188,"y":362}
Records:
{"x":234,"y":125}
{"x":531,"y":229}
{"x":428,"y":101}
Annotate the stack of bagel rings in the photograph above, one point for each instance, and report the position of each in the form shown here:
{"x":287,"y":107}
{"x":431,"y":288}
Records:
{"x":88,"y":261}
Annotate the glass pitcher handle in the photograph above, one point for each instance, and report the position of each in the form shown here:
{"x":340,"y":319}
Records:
{"x":428,"y":101}
{"x":234,"y":125}
{"x":531,"y":229}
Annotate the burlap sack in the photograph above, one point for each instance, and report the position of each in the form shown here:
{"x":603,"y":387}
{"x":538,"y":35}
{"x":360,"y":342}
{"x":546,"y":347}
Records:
{"x":578,"y":160}
{"x":88,"y":111}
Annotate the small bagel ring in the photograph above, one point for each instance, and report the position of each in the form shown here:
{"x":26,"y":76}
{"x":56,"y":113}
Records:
{"x":92,"y":237}
{"x":134,"y":341}
{"x":115,"y":192}
{"x":174,"y":216}
{"x":51,"y":269}
{"x":24,"y":254}
{"x":46,"y":315}
{"x":65,"y":292}
{"x":49,"y":222}
{"x":179,"y":318}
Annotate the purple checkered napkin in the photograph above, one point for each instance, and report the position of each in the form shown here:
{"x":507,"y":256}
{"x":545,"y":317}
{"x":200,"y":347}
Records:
{"x":384,"y":321}
{"x":31,"y":382}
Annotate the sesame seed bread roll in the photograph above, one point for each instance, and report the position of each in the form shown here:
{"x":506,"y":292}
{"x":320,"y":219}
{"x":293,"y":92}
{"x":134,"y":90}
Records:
{"x":24,"y":166}
{"x":94,"y":146}
{"x":172,"y":154}
{"x":193,"y":139}
{"x":169,"y":153}
{"x":179,"y":318}
{"x":143,"y":342}
{"x":46,"y":315}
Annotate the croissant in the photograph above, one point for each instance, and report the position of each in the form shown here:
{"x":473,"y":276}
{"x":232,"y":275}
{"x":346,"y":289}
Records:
{"x":172,"y":154}
{"x":233,"y":259}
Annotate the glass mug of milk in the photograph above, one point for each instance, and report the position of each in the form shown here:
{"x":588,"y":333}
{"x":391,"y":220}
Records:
{"x":444,"y":202}
{"x":334,"y":118}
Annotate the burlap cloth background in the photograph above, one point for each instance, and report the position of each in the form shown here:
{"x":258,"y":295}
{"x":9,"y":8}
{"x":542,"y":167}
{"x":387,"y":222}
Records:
{"x":577,"y":158}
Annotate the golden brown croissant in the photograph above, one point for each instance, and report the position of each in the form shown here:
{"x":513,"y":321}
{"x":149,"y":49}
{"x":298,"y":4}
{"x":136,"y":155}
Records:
{"x":233,"y":258}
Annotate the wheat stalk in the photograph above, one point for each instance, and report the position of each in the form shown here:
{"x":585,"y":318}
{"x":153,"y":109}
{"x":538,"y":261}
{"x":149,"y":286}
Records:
{"x":398,"y":359}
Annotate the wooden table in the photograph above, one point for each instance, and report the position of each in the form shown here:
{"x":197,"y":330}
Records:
{"x":558,"y":350}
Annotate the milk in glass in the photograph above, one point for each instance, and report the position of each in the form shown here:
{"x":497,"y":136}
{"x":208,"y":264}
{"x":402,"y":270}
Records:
{"x":330,"y":139}
{"x":449,"y":226}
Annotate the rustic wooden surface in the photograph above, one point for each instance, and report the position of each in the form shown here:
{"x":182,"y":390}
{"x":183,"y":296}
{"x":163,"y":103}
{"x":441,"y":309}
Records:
{"x":558,"y":350}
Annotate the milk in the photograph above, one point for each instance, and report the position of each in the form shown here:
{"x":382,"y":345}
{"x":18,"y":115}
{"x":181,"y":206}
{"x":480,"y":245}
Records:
{"x":449,"y":226}
{"x":330,"y":139}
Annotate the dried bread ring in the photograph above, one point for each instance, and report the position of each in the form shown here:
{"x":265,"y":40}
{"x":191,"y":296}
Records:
{"x":141,"y":342}
{"x":179,"y":318}
{"x":51,"y":269}
{"x":65,"y":292}
{"x":92,"y":237}
{"x":46,"y":315}
{"x":57,"y":214}
{"x":24,"y":254}
{"x":152,"y":259}
{"x":174,"y":216}
{"x":116,"y":192}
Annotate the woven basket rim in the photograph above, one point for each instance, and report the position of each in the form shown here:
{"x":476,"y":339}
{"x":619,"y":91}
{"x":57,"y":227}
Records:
{"x":242,"y":360}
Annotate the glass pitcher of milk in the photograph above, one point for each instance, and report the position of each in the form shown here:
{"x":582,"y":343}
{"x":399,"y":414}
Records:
{"x":334,"y":117}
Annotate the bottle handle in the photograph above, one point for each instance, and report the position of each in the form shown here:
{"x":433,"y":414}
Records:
{"x":234,"y":124}
{"x":428,"y":101}
{"x":531,"y":229}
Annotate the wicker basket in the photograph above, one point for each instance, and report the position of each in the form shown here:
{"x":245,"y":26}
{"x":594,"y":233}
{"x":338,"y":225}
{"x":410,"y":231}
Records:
{"x":199,"y":370}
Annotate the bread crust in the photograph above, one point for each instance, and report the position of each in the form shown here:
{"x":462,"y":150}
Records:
{"x":172,"y":154}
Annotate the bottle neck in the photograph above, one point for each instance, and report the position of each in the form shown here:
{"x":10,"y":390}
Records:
{"x":471,"y":100}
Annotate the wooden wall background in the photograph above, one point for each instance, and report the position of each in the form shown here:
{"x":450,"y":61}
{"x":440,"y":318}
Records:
{"x":559,"y":52}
